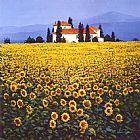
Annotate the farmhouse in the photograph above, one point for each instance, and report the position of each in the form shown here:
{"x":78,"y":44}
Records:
{"x":71,"y":34}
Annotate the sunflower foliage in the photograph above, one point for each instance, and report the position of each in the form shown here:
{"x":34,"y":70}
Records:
{"x":70,"y":91}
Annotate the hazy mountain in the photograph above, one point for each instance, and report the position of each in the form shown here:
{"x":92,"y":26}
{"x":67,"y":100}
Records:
{"x":123,"y":30}
{"x":111,"y":17}
{"x":126,"y":27}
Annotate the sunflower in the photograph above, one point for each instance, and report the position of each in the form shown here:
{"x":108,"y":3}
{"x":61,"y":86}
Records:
{"x":95,"y":87}
{"x":53,"y":93}
{"x":98,"y":100}
{"x":29,"y":109}
{"x":75,"y":86}
{"x":118,"y":87}
{"x":49,"y":98}
{"x":65,"y":117}
{"x":72,"y":102}
{"x":82,"y":92}
{"x":17,"y":121}
{"x":75,"y":94}
{"x":32,"y":96}
{"x":5,"y":96}
{"x":83,"y":124}
{"x":13,"y":103}
{"x":47,"y":79}
{"x":20,"y":103}
{"x":100,"y":91}
{"x":64,"y":87}
{"x":67,"y":94}
{"x":108,"y":104}
{"x":29,"y":85}
{"x":45,"y":102}
{"x":72,"y":108}
{"x":130,"y":89}
{"x":13,"y":87}
{"x":39,"y":86}
{"x":58,"y":91}
{"x":54,"y":116}
{"x":111,"y":93}
{"x":80,"y":112}
{"x":23,"y":86}
{"x":105,"y":88}
{"x":125,"y":91}
{"x":46,"y":91}
{"x":92,"y":95}
{"x":63,"y":102}
{"x":87,"y":104}
{"x":22,"y":74}
{"x":52,"y":124}
{"x":119,"y":118}
{"x":116,"y":102}
{"x":23,"y":93}
{"x":108,"y":111}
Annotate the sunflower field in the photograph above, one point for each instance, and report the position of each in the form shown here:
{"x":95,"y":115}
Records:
{"x":70,"y":91}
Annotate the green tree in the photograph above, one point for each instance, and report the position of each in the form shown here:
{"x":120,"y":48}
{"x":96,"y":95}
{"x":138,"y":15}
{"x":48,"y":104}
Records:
{"x":101,"y":31}
{"x":58,"y":32}
{"x":135,"y":39}
{"x":70,"y":22}
{"x":49,"y":36}
{"x":30,"y":40}
{"x":107,"y":38}
{"x":80,"y":34}
{"x":7,"y":41}
{"x":39,"y":39}
{"x":63,"y":40}
{"x":113,"y":37}
{"x":95,"y":39}
{"x":87,"y":38}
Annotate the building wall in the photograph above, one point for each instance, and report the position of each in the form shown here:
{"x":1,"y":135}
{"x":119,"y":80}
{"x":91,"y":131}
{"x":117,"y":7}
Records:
{"x":73,"y":37}
{"x":63,"y":27}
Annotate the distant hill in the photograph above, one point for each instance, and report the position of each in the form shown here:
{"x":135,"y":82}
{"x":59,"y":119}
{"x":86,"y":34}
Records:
{"x":126,"y":27}
{"x":123,"y":30}
{"x":111,"y":17}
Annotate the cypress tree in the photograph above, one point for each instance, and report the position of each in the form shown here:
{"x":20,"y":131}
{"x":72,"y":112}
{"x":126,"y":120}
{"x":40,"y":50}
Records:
{"x":49,"y":36}
{"x":70,"y":22}
{"x":87,"y":38}
{"x":58,"y":32}
{"x":113,"y":37}
{"x":101,"y":31}
{"x":80,"y":34}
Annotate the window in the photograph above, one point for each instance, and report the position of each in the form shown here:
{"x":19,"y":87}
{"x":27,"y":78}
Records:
{"x":76,"y":36}
{"x":64,"y":27}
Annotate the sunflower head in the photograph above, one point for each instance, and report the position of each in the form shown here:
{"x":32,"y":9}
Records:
{"x":63,"y":102}
{"x":80,"y":112}
{"x":119,"y":118}
{"x":52,"y":124}
{"x":17,"y":121}
{"x":45,"y":102}
{"x":108,"y":111}
{"x":82,"y":93}
{"x":83,"y":124}
{"x":20,"y":103}
{"x":87,"y":104}
{"x":72,"y":108}
{"x":54,"y":116}
{"x":65,"y":117}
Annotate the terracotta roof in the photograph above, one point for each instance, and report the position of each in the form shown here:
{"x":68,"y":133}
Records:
{"x":76,"y":30}
{"x":63,"y":23}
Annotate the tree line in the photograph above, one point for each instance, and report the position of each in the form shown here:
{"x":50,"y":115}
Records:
{"x":59,"y":38}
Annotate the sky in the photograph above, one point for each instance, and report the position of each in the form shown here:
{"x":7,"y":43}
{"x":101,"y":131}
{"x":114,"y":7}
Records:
{"x":29,"y":12}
